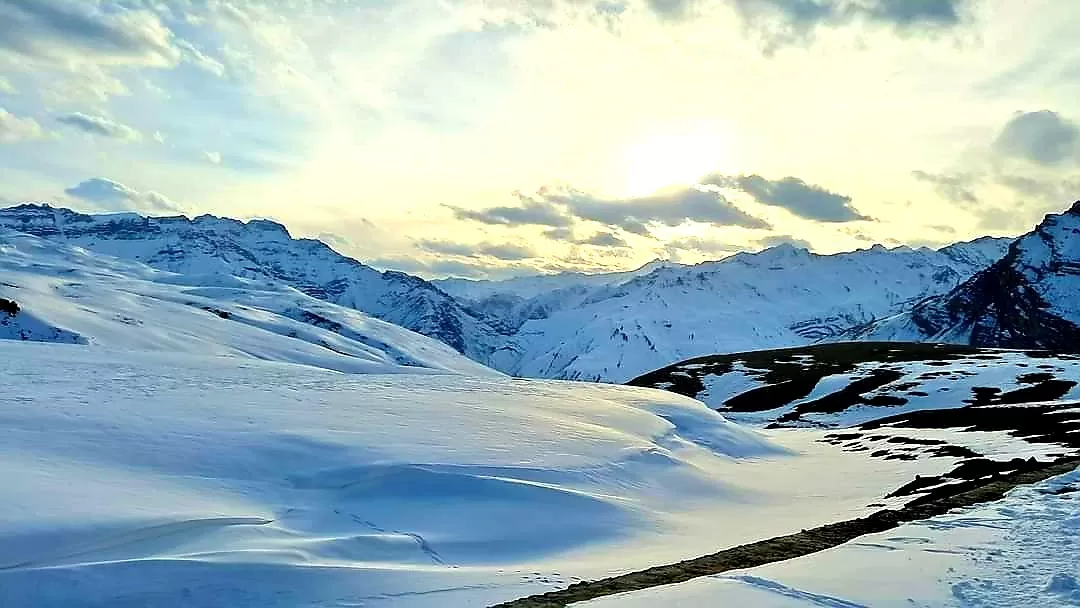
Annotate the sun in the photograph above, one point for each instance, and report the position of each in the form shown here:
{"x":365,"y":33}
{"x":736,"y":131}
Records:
{"x":674,"y":156}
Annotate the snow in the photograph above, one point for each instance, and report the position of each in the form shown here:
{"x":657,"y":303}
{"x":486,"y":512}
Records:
{"x":71,"y":295}
{"x":171,"y":479}
{"x":1018,"y":552}
{"x":778,"y":297}
{"x":217,"y":249}
{"x":719,"y":388}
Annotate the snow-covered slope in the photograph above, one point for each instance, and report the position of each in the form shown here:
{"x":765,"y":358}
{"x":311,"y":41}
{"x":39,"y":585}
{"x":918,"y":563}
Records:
{"x":209,"y":246}
{"x":1028,"y":299}
{"x":175,"y":480}
{"x":58,"y":293}
{"x":783,"y":296}
{"x":1015,"y":553}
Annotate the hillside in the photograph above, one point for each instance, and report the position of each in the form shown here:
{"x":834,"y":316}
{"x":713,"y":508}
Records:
{"x":846,"y":384}
{"x":56,"y":293}
{"x":212,"y":247}
{"x":180,"y":480}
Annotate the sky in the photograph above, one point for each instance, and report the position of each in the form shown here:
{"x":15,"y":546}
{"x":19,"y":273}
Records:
{"x":491,"y":138}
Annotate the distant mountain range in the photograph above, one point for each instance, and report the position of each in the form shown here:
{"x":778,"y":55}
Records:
{"x":613,"y":327}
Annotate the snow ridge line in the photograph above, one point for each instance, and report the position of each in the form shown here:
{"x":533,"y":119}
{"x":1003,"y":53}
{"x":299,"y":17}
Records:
{"x":783,"y":548}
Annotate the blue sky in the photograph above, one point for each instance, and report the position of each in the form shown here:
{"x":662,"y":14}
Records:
{"x":498,"y":137}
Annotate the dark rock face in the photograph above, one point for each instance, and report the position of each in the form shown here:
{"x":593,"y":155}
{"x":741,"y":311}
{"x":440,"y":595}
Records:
{"x":264,"y":250}
{"x":8,"y":308}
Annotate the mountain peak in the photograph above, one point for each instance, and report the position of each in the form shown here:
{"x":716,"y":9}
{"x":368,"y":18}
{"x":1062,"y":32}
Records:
{"x":1025,"y":300}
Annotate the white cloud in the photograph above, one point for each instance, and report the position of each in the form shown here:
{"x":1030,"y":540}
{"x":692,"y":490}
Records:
{"x":114,"y":196}
{"x":15,"y":129}
{"x":99,"y":125}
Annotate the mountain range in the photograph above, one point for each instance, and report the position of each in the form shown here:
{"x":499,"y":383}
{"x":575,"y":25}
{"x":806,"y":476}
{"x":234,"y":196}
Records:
{"x":614,"y":327}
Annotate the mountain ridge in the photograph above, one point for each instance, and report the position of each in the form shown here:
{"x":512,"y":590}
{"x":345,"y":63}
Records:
{"x":264,"y":249}
{"x":606,"y":327}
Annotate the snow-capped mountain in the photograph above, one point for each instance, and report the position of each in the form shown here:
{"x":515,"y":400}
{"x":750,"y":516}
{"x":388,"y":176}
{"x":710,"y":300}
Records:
{"x":211,"y":247}
{"x":51,"y":292}
{"x":608,"y":327}
{"x":477,"y":290}
{"x":782,"y":296}
{"x":509,"y":303}
{"x":1028,"y":299}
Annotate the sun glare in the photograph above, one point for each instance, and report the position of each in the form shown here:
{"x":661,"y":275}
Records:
{"x":674,"y":156}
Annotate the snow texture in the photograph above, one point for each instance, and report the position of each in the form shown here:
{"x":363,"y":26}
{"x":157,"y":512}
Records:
{"x":171,"y":479}
{"x":66,"y":294}
{"x":1018,"y":552}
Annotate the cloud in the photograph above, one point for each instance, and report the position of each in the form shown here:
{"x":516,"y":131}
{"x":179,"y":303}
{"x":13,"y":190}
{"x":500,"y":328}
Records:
{"x":447,"y":248}
{"x":599,"y":239}
{"x":701,"y":245}
{"x":802,"y":16}
{"x":67,"y":30}
{"x":637,"y":214}
{"x":604,"y":239}
{"x":500,"y":251}
{"x":784,"y":239}
{"x":530,"y":213}
{"x":114,"y":196}
{"x":99,"y":125}
{"x":14,"y":129}
{"x":671,"y":9}
{"x":957,"y":188}
{"x":563,"y":233}
{"x":791,"y":193}
{"x":559,"y":208}
{"x":213,"y":157}
{"x":432,"y":268}
{"x":508,"y":251}
{"x":1043,"y":137}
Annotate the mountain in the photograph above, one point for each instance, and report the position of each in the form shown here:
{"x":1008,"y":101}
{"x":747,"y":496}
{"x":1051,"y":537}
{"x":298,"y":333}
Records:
{"x":509,"y":303}
{"x":51,"y":292}
{"x":212,"y":247}
{"x":1028,"y":299}
{"x":782,"y":296}
{"x":606,"y":327}
{"x":478,"y":290}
